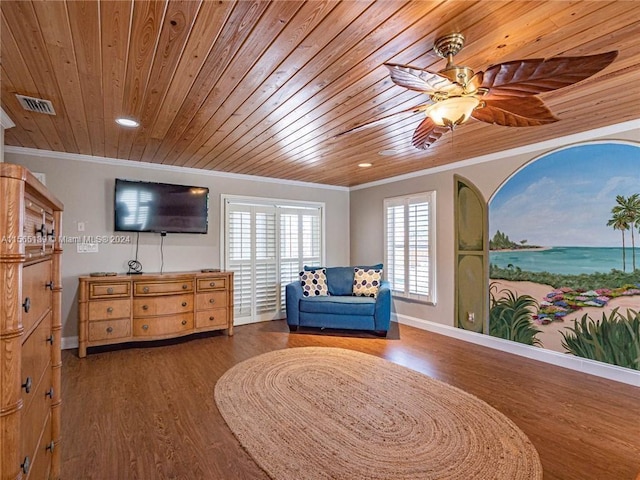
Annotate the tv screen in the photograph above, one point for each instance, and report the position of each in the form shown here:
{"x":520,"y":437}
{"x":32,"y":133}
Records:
{"x":160,"y":207}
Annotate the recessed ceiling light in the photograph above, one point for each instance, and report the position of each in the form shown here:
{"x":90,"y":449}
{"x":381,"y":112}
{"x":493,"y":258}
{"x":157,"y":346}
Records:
{"x":365,"y":165}
{"x":127,"y":122}
{"x":387,"y":153}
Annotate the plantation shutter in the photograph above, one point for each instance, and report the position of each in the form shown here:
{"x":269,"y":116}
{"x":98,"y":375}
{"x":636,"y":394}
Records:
{"x":266,"y":245}
{"x":409,"y":248}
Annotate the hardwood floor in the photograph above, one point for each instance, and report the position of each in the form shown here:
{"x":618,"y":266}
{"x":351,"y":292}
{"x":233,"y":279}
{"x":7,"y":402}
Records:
{"x":149,"y":413}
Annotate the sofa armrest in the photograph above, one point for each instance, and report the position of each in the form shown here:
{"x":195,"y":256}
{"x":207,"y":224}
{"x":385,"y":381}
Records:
{"x":382,"y":314}
{"x":293,"y":294}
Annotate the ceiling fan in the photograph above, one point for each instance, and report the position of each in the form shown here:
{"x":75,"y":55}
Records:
{"x":503,"y":95}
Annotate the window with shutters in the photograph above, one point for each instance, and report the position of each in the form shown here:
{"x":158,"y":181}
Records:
{"x":266,"y":244}
{"x":409,"y":246}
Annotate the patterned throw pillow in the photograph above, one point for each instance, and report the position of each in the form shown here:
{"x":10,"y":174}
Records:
{"x":366,"y":282}
{"x":314,"y":282}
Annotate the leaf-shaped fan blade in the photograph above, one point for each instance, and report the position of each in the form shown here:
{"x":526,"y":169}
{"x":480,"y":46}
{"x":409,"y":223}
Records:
{"x":529,"y":77}
{"x":386,"y":118}
{"x":417,"y":79}
{"x":515,"y":112}
{"x":427,"y":133}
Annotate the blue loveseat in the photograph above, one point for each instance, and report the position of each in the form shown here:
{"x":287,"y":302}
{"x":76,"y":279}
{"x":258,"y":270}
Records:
{"x":340,"y":308}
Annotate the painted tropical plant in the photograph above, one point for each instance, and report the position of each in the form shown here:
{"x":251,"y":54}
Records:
{"x":510,"y":317}
{"x":614,"y":339}
{"x":625,"y":215}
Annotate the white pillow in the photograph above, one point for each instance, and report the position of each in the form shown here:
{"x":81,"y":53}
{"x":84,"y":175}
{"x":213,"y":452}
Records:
{"x":314,"y":282}
{"x":366,"y":282}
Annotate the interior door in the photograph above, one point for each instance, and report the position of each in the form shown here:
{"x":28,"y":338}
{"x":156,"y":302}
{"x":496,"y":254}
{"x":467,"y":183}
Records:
{"x":472,"y":257}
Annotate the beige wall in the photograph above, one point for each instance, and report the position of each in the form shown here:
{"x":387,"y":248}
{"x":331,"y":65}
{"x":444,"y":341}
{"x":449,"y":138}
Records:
{"x":86,"y":189}
{"x":367,"y":216}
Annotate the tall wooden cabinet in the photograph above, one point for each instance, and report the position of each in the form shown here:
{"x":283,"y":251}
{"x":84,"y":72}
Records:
{"x":30,"y":327}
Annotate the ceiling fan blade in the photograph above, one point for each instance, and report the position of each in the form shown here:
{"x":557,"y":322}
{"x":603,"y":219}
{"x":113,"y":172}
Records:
{"x":386,"y":118}
{"x":417,"y":79}
{"x":427,"y":133}
{"x":528,"y":77}
{"x":515,"y":112}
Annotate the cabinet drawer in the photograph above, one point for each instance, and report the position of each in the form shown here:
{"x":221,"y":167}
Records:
{"x":211,"y":300}
{"x":109,"y":329}
{"x":159,"y":326}
{"x":213,"y":283}
{"x":40,"y":462}
{"x":214,"y":318}
{"x":109,"y":290}
{"x":107,"y":309}
{"x":36,"y":357}
{"x":35,"y":414}
{"x":152,"y":306}
{"x":162,"y":288}
{"x":36,"y":296}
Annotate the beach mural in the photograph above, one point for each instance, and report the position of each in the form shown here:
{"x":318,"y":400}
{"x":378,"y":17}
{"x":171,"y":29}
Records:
{"x":564,"y":253}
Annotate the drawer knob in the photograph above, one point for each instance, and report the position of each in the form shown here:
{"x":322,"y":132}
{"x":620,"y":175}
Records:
{"x":42,"y":230}
{"x":145,"y":289}
{"x":50,"y":339}
{"x":109,"y":290}
{"x":51,"y":446}
{"x":109,"y":309}
{"x":26,"y":463}
{"x":49,"y":285}
{"x":27,"y":385}
{"x":184,"y":304}
{"x":212,"y":284}
{"x":26,"y":305}
{"x":212,"y":318}
{"x":52,"y":233}
{"x":145,"y":327}
{"x":109,"y":329}
{"x":145,"y":307}
{"x":184,"y":322}
{"x":49,"y":393}
{"x":185,"y":286}
{"x":212,"y":300}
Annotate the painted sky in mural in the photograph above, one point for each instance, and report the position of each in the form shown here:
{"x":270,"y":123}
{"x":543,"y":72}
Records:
{"x":565,"y":198}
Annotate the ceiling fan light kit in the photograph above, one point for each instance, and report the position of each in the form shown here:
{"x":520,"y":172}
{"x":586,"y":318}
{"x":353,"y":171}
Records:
{"x":503,"y":95}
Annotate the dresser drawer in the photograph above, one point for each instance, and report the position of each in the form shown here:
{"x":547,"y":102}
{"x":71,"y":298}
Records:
{"x":107,"y":309}
{"x":36,"y":295}
{"x":159,"y":326}
{"x":40,"y":463}
{"x":35,"y":414}
{"x":214,"y":318}
{"x":162,"y":288}
{"x":109,"y":329}
{"x":211,"y":300}
{"x":36,"y":357}
{"x":212,"y":283}
{"x":152,"y":306}
{"x":109,"y":289}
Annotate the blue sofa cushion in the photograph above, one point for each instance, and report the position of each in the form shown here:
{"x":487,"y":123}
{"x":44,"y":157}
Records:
{"x":340,"y":279}
{"x":339,"y":305}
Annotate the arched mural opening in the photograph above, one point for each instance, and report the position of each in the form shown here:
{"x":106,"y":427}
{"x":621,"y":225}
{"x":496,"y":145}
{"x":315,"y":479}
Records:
{"x":564,"y":253}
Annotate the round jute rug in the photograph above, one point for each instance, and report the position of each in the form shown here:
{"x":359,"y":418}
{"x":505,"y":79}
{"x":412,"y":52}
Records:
{"x":331,"y":413}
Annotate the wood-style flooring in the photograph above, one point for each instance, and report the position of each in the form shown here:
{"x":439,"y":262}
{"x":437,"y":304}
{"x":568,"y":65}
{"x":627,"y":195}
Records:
{"x":148,"y":413}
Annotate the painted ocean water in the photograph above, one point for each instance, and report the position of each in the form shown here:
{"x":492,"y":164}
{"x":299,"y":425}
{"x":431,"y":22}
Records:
{"x":569,"y":260}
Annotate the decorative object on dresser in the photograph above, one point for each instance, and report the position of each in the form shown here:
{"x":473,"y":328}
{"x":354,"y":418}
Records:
{"x":30,"y":326}
{"x":120,"y":309}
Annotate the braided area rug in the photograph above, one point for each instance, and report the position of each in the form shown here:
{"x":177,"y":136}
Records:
{"x":330,"y":413}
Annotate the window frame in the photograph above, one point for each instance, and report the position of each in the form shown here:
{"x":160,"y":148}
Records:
{"x":405,"y":201}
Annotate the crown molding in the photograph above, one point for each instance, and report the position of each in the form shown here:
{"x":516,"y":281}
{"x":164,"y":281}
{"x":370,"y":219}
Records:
{"x":5,"y":121}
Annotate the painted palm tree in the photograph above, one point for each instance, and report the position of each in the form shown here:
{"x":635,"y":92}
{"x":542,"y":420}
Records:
{"x":619,"y":222}
{"x":629,"y":207}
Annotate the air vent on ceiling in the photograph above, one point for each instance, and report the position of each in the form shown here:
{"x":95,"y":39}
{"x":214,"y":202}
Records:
{"x":36,"y":104}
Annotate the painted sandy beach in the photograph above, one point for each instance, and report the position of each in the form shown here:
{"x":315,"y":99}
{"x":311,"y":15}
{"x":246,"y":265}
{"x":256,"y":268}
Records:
{"x":550,"y":334}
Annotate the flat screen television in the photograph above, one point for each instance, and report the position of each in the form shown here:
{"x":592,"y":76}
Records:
{"x":160,"y":207}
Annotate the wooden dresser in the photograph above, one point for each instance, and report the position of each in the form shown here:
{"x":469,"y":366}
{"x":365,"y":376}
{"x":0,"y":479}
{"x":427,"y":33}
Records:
{"x":30,"y":327}
{"x":127,"y":308}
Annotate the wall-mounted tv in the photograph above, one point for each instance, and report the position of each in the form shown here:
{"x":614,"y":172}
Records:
{"x":160,"y":207}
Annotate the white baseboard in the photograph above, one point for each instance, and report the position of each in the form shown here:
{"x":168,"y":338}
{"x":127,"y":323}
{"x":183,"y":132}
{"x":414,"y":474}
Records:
{"x":67,"y":343}
{"x":591,"y":367}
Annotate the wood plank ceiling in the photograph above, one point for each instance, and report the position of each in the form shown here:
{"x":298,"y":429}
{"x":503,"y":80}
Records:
{"x":262,"y":88}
